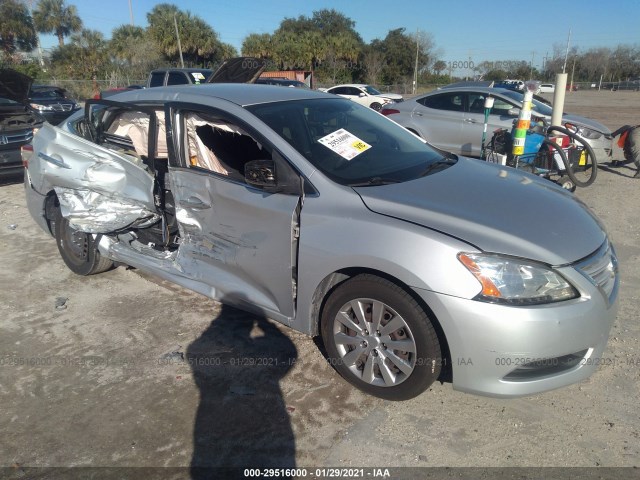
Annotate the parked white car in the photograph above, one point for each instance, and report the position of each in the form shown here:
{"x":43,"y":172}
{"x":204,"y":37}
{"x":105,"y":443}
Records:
{"x":365,"y":95}
{"x":547,"y":88}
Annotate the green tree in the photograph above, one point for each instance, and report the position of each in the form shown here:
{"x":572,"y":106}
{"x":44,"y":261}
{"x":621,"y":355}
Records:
{"x":53,"y":16}
{"x":85,"y":56}
{"x":16,"y":28}
{"x":341,"y":56}
{"x":439,"y":66}
{"x":133,"y":54}
{"x":259,"y":45}
{"x":374,"y":61}
{"x":399,"y":52}
{"x":326,"y":39}
{"x":124,"y":40}
{"x":199,"y":42}
{"x":226,"y":51}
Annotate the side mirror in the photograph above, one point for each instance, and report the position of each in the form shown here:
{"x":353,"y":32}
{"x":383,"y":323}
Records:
{"x":362,"y":94}
{"x":263,"y":174}
{"x":260,"y":173}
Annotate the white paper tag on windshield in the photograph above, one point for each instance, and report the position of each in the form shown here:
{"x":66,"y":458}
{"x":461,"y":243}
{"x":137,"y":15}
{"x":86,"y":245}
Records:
{"x":344,"y":144}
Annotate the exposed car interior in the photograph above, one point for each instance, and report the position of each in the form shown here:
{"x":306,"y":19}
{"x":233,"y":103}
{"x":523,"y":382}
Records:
{"x":211,"y":144}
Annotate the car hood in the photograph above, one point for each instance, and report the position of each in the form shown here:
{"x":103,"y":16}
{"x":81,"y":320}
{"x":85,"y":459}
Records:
{"x":391,"y":96}
{"x":496,"y":209}
{"x":587,"y":122}
{"x":14,"y":85}
{"x":238,"y":70}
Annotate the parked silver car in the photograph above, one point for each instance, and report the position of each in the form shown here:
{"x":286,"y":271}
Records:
{"x":453,"y":119}
{"x":322,"y":214}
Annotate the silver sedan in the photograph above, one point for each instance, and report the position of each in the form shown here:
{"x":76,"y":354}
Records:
{"x":322,"y":214}
{"x":453,"y":119}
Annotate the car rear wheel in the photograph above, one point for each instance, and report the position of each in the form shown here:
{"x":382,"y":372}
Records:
{"x":78,"y":249}
{"x":566,"y":183}
{"x":379,"y":338}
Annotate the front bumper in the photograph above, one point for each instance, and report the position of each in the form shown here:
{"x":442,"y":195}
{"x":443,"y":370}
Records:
{"x":505,"y":351}
{"x":602,"y":148}
{"x":11,"y":162}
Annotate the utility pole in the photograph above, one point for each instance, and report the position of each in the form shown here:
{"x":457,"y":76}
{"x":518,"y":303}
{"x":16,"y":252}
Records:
{"x":533,"y":54}
{"x":566,"y":55}
{"x":130,"y":13}
{"x":573,"y":69}
{"x":415,"y":70}
{"x":175,"y":23}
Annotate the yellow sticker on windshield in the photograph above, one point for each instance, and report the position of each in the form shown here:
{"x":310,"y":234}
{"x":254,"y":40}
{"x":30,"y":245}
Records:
{"x":360,"y":146}
{"x":344,"y":143}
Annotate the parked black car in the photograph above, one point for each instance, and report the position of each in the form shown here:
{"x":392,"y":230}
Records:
{"x":17,"y":120}
{"x":53,"y":103}
{"x":178,"y":76}
{"x":234,"y":70}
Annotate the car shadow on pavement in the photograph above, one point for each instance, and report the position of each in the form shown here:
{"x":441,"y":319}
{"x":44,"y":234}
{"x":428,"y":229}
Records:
{"x":624,"y":168}
{"x":242,"y":419}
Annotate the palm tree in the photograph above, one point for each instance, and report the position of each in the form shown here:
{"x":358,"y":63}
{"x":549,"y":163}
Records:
{"x":259,"y":45}
{"x":199,"y":42}
{"x":123,"y":41}
{"x":16,"y":27}
{"x":53,"y":16}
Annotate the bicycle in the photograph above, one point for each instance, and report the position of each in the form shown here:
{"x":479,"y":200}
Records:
{"x":553,"y":152}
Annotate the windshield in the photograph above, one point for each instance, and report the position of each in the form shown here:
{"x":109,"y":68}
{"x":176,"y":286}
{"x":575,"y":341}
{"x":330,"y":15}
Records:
{"x":371,"y":91}
{"x":49,"y":93}
{"x":349,"y":143}
{"x":537,"y":105}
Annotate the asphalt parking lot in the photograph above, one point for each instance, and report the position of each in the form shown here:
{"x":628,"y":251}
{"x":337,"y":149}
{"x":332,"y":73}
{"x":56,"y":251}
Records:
{"x":123,"y":370}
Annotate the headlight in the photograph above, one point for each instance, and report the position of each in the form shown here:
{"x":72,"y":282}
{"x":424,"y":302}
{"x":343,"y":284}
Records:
{"x":37,"y":106}
{"x":516,"y":282}
{"x":588,"y":133}
{"x":584,"y":131}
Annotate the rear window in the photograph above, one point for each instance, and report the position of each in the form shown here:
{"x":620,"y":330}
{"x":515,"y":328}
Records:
{"x":177,"y":78}
{"x":157,"y":79}
{"x":446,"y":101}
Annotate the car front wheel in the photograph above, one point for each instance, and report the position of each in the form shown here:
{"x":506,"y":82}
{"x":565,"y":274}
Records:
{"x":78,"y":249}
{"x":379,"y":338}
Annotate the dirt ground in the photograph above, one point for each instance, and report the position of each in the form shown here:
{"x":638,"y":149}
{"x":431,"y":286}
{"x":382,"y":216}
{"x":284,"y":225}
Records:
{"x":123,"y":370}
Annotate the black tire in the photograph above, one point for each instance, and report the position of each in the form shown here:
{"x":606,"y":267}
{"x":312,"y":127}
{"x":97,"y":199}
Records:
{"x":566,"y":183}
{"x":376,"y":106}
{"x":361,"y":352}
{"x":582,"y":166}
{"x":78,"y":249}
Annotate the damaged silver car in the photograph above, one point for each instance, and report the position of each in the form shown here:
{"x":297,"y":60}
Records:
{"x":412,"y":264}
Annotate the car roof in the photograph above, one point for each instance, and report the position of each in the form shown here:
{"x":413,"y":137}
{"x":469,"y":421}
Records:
{"x":473,"y":89}
{"x":351,"y":85}
{"x":242,"y":94}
